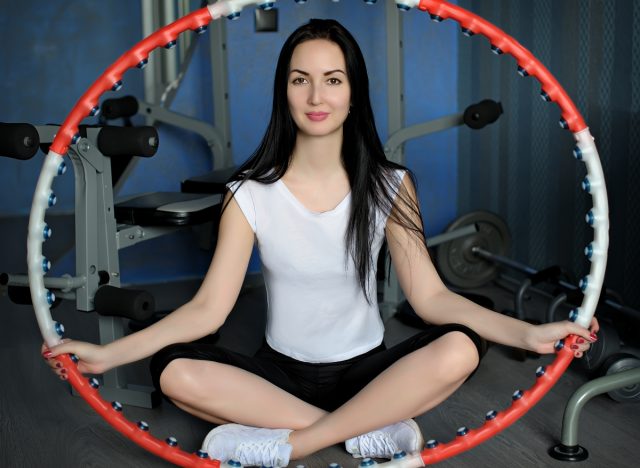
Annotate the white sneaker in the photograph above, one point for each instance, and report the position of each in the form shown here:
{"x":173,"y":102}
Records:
{"x":249,"y":445}
{"x":383,"y":443}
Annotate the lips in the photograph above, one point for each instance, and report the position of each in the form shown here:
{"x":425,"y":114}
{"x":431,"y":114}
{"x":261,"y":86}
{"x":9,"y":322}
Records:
{"x":317,"y":116}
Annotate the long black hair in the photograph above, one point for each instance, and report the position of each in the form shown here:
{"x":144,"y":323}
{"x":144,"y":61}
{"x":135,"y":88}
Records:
{"x":373,"y":186}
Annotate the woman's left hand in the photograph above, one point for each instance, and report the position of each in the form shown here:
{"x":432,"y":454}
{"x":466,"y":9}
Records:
{"x":541,"y":338}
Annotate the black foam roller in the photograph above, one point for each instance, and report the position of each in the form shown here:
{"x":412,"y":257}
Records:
{"x":126,"y":106}
{"x":18,"y":140}
{"x":128,"y":141}
{"x":128,"y":303}
{"x":479,"y":115}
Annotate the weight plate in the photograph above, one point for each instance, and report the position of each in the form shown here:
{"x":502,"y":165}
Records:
{"x":457,"y":263}
{"x":629,"y":393}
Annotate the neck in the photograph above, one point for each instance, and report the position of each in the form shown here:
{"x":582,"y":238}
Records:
{"x":317,"y":156}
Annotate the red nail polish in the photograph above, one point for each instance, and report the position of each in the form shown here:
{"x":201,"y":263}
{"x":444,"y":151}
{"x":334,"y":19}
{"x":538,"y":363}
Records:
{"x":580,"y":340}
{"x":574,"y":346}
{"x":58,"y":365}
{"x":47,"y":354}
{"x":63,"y":371}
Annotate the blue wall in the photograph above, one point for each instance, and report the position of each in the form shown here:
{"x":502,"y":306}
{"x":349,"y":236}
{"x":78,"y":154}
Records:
{"x":53,"y":51}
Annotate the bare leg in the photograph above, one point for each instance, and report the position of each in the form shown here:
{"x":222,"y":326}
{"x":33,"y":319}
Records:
{"x":413,"y":385}
{"x":221,"y":393}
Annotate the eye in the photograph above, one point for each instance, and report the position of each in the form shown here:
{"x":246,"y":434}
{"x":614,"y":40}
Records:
{"x":298,"y":80}
{"x":334,"y":81}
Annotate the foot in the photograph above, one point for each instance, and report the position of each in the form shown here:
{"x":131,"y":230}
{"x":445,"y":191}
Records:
{"x":249,"y":445}
{"x":383,"y":443}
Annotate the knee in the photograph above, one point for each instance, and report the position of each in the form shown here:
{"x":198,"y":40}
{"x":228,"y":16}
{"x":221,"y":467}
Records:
{"x":178,"y":378}
{"x":461,"y":355}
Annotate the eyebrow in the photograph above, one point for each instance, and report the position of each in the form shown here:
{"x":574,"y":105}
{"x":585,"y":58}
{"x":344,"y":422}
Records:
{"x":327,"y":73}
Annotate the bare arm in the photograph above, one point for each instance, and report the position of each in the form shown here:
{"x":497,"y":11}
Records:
{"x":436,"y":304}
{"x":202,"y":315}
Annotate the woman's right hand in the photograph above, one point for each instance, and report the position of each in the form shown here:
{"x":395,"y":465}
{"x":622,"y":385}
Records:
{"x":92,"y":358}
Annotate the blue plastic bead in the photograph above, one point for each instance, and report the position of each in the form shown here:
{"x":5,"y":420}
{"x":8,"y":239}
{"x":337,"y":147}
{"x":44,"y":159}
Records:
{"x":468,"y":32}
{"x":233,"y":16}
{"x":201,"y":29}
{"x":50,"y":298}
{"x":517,"y":395}
{"x":586,"y":185}
{"x":334,"y":465}
{"x":233,"y":463}
{"x":59,"y":328}
{"x":584,"y":283}
{"x":52,"y":200}
{"x":436,"y":18}
{"x":47,"y":232}
{"x":74,"y":358}
{"x":403,"y":7}
{"x":143,"y":426}
{"x":46,"y":265}
{"x":203,"y":454}
{"x":491,"y":415}
{"x":117,"y":85}
{"x":170,"y":45}
{"x":588,"y":251}
{"x":301,"y":1}
{"x":75,"y":138}
{"x":171,"y":441}
{"x":399,"y":455}
{"x":590,"y":218}
{"x":116,"y":405}
{"x":522,"y":72}
{"x":370,"y":2}
{"x":577,"y":153}
{"x":573,"y":315}
{"x":496,"y":50}
{"x":545,"y":96}
{"x":367,"y":462}
{"x":95,"y":384}
{"x":94,"y":111}
{"x":62,"y":168}
{"x":142,"y":63}
{"x":432,"y":443}
{"x":540,"y":371}
{"x":563,"y":124}
{"x":558,"y":345}
{"x":462,"y":431}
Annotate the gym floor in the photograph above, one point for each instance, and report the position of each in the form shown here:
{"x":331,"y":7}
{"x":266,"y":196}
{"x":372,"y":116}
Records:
{"x":43,"y":425}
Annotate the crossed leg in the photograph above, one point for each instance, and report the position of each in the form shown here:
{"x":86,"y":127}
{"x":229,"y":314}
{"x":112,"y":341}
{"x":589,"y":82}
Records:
{"x":414,"y":384}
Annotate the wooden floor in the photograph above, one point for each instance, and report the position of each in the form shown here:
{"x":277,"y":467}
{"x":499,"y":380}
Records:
{"x":42,"y":425}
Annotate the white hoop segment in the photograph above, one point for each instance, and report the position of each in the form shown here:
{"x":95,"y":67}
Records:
{"x":197,"y":21}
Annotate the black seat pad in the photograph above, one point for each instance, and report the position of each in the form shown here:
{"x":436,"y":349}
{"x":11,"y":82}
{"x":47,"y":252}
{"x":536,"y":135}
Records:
{"x":213,"y":182}
{"x":168,"y":209}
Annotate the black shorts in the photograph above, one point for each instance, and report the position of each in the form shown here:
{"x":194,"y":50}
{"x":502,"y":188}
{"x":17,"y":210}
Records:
{"x":324,"y":385}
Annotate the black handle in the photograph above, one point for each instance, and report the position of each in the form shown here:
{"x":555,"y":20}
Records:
{"x":18,"y":140}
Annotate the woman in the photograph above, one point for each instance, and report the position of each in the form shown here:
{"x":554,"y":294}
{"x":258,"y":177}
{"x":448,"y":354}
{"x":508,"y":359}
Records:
{"x":319,"y":198}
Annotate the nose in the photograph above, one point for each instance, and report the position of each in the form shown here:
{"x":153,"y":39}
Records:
{"x":315,"y":95}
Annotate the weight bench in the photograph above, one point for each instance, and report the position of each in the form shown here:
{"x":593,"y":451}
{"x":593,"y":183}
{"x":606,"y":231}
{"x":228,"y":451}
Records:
{"x":102,"y":228}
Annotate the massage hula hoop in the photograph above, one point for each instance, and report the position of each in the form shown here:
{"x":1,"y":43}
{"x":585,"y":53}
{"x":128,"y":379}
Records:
{"x":439,"y":10}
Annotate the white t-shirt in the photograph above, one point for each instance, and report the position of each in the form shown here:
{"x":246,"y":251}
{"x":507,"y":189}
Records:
{"x":317,"y":311}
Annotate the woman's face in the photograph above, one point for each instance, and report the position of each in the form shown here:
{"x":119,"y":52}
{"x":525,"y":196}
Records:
{"x":318,"y":91}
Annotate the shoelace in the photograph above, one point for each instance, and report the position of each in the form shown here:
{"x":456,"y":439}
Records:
{"x":377,"y":445}
{"x":259,"y":453}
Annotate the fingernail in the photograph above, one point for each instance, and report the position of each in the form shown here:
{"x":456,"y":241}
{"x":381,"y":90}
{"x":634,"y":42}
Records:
{"x":594,"y":337}
{"x":63,"y":371}
{"x":63,"y":377}
{"x":47,"y":354}
{"x":574,"y":346}
{"x":580,"y":340}
{"x":58,"y":365}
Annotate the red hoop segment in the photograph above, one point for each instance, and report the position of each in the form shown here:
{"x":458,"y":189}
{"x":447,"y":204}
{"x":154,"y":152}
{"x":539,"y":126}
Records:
{"x":509,"y":45}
